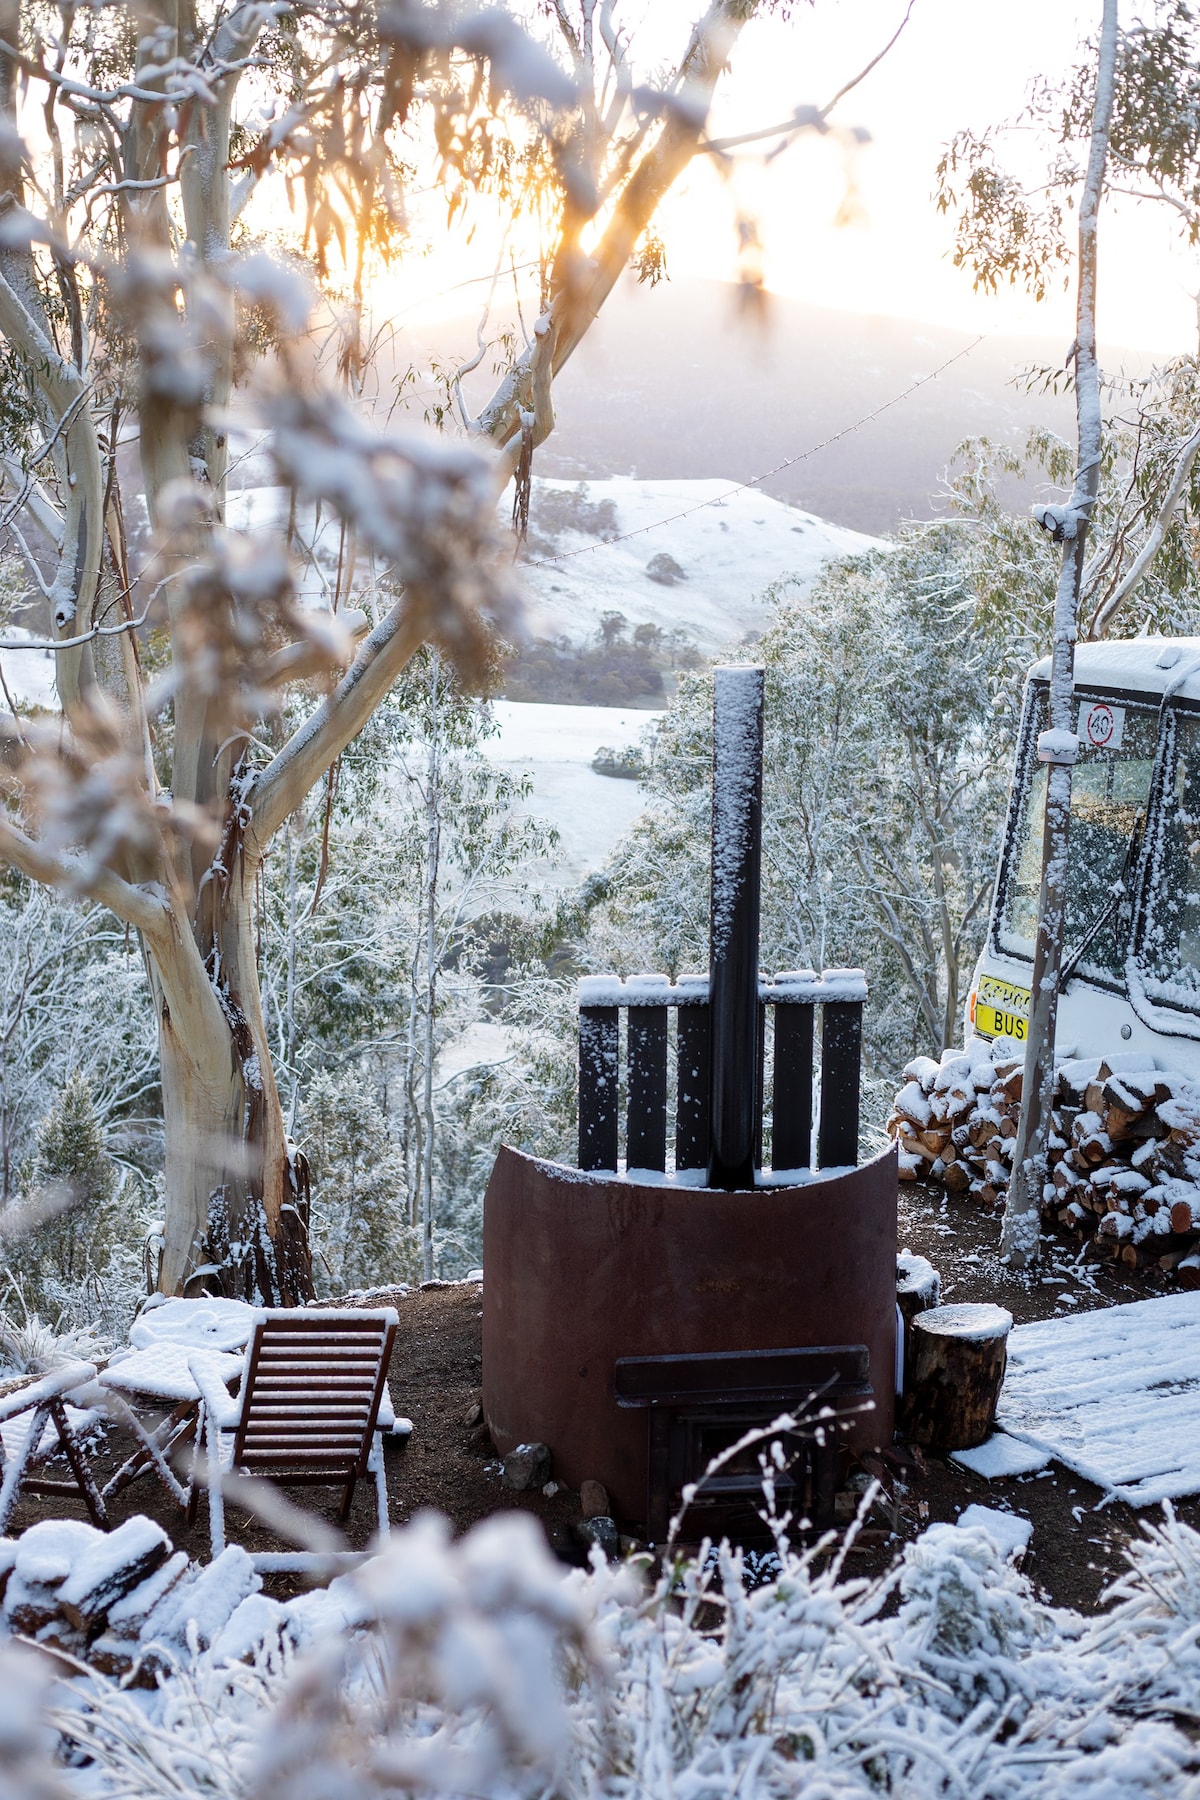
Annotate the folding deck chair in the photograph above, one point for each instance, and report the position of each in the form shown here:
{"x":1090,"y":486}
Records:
{"x":22,"y":1439}
{"x":308,"y":1412}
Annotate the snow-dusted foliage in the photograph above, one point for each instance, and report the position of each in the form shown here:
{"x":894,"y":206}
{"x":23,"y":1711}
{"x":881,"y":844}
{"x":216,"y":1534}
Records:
{"x":479,"y":1666}
{"x":380,"y":900}
{"x":74,"y":1000}
{"x":361,"y":1225}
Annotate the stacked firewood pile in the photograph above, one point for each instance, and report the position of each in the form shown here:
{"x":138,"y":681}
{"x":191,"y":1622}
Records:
{"x":1124,"y":1147}
{"x":956,"y":1121}
{"x":125,"y":1601}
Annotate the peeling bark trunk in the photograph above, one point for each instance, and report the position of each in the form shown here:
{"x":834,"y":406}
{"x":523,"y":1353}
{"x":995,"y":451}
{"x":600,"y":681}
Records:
{"x":236,"y":1219}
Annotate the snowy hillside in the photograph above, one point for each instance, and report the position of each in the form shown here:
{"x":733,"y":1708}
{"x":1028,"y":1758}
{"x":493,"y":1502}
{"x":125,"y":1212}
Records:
{"x":556,"y":744}
{"x":730,"y":544}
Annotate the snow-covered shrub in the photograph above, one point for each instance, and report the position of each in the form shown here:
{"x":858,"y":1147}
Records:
{"x":29,"y":1346}
{"x":73,"y":1240}
{"x":361,"y":1230}
{"x":966,"y":1614}
{"x":74,"y":1002}
{"x":1163,"y":1580}
{"x":457,"y":1670}
{"x":480,"y":1667}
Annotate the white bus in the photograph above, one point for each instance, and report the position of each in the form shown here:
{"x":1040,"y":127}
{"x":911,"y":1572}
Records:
{"x":1131,"y":948}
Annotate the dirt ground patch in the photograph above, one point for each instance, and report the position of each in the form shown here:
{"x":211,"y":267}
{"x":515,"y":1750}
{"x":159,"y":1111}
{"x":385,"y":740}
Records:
{"x":449,"y":1463}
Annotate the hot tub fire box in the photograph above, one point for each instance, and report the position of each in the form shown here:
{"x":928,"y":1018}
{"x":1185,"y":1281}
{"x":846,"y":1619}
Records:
{"x":641,"y":1321}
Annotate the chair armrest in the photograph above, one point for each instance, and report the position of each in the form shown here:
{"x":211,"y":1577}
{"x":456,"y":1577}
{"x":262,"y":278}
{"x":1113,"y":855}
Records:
{"x":220,"y":1404}
{"x":45,"y":1387}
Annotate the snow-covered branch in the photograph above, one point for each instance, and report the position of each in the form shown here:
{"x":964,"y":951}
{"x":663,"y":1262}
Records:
{"x":1109,"y":606}
{"x":73,"y":875}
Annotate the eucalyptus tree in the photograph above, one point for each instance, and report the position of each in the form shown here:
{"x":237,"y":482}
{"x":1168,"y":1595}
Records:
{"x":378,"y":904}
{"x":135,"y":142}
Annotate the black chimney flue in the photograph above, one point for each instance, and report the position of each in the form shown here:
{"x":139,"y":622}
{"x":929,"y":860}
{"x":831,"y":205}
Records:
{"x":734,"y":923}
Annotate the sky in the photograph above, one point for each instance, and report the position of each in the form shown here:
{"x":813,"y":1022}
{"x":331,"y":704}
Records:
{"x":857,"y":229}
{"x":957,"y":63}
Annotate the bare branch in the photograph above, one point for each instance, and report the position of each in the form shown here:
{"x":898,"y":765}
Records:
{"x":87,"y":637}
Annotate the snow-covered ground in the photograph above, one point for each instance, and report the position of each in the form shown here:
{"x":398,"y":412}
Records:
{"x":731,"y":543}
{"x":556,"y":744}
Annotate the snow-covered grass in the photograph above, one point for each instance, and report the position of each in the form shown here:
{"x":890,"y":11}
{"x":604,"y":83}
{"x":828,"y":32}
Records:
{"x":30,"y":1346}
{"x":479,"y":1667}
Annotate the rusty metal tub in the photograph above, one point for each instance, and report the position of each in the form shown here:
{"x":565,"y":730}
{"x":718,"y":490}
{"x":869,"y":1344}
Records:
{"x":580,"y":1269}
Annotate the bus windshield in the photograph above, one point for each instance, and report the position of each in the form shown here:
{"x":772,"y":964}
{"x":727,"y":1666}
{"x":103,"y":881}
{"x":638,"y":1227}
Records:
{"x":1169,"y":950}
{"x":1110,"y":786}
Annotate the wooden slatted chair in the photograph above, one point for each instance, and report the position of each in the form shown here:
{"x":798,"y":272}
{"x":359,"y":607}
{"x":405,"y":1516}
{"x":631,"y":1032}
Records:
{"x":307,"y":1412}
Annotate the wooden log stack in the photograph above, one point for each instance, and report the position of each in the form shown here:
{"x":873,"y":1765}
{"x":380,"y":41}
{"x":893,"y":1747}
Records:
{"x":1124,"y":1155}
{"x":125,"y":1602}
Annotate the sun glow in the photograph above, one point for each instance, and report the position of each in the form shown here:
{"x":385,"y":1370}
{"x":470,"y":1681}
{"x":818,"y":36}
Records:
{"x":847,"y":219}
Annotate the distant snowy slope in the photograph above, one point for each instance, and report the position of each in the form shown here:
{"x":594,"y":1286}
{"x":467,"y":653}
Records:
{"x":730,"y":543}
{"x":28,"y":672}
{"x":556,"y":744}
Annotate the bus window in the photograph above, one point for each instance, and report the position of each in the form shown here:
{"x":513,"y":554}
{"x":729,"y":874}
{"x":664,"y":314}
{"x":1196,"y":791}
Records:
{"x":1109,"y":789}
{"x":1169,"y":951}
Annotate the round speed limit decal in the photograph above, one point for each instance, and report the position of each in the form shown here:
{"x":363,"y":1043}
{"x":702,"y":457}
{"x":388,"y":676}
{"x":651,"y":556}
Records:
{"x":1101,"y":726}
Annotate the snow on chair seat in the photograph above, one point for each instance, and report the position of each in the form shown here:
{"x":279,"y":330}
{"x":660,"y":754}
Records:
{"x":42,"y":1397}
{"x":308,"y":1411}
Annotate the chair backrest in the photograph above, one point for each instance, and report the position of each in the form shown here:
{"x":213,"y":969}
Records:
{"x":311,"y":1393}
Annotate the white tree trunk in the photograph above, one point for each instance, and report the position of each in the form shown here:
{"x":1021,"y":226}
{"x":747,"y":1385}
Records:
{"x":232,"y":1202}
{"x":1019,"y":1236}
{"x":433,"y":857}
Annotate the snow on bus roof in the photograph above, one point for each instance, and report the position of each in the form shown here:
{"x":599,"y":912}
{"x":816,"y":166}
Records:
{"x":1143,"y":664}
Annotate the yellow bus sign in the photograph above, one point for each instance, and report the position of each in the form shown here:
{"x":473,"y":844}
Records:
{"x":1001,"y":1008}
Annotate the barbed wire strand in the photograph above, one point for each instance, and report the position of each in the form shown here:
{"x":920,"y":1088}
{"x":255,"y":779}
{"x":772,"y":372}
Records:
{"x":789,"y":462}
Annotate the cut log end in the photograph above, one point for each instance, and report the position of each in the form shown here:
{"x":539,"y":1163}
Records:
{"x":958,"y":1360}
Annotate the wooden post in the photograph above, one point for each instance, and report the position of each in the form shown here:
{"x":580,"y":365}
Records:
{"x":791,"y":1112}
{"x":692,"y":1080}
{"x":734,"y":923}
{"x":599,"y":1075}
{"x":841,"y":1055}
{"x":918,"y":1290}
{"x":646,"y":1118}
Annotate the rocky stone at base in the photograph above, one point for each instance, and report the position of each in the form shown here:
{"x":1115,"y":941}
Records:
{"x":602,"y":1531}
{"x":593,"y":1500}
{"x":528,"y":1466}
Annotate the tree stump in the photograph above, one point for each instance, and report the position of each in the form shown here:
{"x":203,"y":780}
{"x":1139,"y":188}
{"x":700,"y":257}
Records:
{"x":918,"y":1288}
{"x":958,"y":1360}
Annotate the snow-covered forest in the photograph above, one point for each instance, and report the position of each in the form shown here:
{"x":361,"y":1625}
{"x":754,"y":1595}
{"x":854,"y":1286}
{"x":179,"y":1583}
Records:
{"x":290,"y":945}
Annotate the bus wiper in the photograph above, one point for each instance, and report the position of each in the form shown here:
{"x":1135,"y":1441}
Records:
{"x":1120,"y":891}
